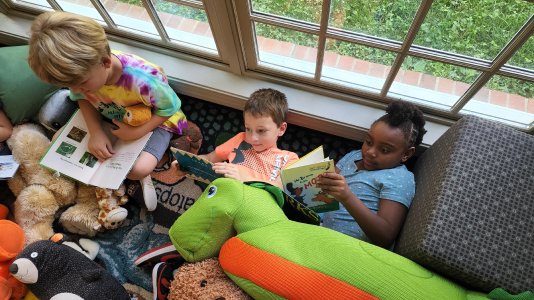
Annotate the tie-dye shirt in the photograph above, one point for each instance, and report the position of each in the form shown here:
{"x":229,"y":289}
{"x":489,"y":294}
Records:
{"x":140,"y":82}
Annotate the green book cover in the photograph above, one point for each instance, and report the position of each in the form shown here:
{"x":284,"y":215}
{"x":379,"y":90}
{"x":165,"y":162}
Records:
{"x":199,"y":168}
{"x":300,"y":180}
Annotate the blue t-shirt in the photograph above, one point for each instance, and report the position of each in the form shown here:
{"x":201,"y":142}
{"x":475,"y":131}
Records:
{"x":396,"y":184}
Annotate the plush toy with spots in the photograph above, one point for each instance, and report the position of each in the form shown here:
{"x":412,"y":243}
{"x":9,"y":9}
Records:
{"x":53,"y":270}
{"x":111,"y":215}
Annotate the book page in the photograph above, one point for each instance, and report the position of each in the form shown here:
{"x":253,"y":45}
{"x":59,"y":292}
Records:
{"x":113,"y":171}
{"x":316,"y":155}
{"x":199,"y":168}
{"x":69,"y":154}
{"x":8,"y":167}
{"x":301,"y":183}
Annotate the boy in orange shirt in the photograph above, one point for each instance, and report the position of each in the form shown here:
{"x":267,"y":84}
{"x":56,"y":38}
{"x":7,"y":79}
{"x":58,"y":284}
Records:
{"x":253,"y":154}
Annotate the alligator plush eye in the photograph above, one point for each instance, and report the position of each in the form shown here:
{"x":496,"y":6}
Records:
{"x":212,"y":191}
{"x":203,"y":283}
{"x":34,"y":254}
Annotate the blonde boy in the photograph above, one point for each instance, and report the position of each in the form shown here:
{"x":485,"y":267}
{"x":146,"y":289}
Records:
{"x":253,"y":154}
{"x":73,"y":51}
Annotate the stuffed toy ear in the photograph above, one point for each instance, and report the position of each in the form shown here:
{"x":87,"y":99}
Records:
{"x":274,"y":190}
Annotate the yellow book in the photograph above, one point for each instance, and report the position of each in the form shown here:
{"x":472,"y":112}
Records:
{"x":301,"y":177}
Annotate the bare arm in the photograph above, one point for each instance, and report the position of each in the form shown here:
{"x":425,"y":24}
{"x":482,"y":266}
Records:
{"x":212,"y":156}
{"x":127,"y":132}
{"x":381,"y":228}
{"x":5,"y":126}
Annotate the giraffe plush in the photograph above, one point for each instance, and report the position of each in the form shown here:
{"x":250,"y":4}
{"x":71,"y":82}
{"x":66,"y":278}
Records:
{"x":111,"y":215}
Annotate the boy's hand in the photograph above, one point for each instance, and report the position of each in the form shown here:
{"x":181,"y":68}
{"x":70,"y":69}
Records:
{"x":126,"y":132}
{"x":180,"y":171}
{"x":100,"y":146}
{"x":335,"y":185}
{"x":229,"y":171}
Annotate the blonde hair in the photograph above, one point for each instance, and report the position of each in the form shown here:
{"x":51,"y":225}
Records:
{"x":268,"y":102}
{"x":64,"y":47}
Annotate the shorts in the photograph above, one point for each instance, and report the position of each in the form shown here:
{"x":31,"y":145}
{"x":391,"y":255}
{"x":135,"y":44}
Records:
{"x":158,"y":142}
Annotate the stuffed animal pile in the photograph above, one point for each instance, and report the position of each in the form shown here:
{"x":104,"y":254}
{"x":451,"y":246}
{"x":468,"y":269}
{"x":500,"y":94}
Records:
{"x":40,"y":194}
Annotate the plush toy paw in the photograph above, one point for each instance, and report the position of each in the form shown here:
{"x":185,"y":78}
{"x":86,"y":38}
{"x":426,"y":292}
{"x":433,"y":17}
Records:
{"x":82,"y":217}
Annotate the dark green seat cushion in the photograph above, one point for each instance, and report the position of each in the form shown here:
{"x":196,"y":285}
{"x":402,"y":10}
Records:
{"x":21,"y":92}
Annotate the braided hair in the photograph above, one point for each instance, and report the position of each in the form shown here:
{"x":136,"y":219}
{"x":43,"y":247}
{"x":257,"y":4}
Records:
{"x":408,"y":118}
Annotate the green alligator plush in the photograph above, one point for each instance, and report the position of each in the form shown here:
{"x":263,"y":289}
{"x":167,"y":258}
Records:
{"x":271,"y":257}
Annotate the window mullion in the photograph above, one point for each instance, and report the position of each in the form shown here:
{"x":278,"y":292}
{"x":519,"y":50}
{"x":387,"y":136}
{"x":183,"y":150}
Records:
{"x":286,"y":23}
{"x":506,"y":53}
{"x":242,"y":10}
{"x":4,"y":7}
{"x":189,"y":3}
{"x":424,"y":7}
{"x":225,"y":38}
{"x":55,"y":5}
{"x":104,"y":13}
{"x":325,"y":15}
{"x":151,"y":10}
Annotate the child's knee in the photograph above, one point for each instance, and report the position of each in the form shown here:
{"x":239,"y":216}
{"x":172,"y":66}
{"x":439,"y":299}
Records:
{"x":144,"y":165}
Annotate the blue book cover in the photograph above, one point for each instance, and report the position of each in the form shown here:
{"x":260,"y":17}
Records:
{"x":199,"y":168}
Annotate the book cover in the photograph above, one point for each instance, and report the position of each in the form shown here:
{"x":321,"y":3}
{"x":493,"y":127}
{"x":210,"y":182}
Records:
{"x":300,"y":180}
{"x":8,"y":167}
{"x":69,"y":155}
{"x":199,"y":168}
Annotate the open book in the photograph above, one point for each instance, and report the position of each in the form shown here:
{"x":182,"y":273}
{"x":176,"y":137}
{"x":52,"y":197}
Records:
{"x":8,"y":167}
{"x":70,"y":156}
{"x":300,"y":181}
{"x":201,"y":170}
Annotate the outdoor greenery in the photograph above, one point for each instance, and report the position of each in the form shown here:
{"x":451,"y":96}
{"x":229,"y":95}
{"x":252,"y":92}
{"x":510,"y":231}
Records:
{"x":478,"y":28}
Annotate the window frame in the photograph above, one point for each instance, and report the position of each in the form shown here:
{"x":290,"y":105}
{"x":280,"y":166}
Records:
{"x":497,"y":66}
{"x":232,"y":24}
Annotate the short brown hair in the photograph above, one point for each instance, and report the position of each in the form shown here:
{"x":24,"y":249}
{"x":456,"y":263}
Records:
{"x":65,"y":46}
{"x":268,"y":102}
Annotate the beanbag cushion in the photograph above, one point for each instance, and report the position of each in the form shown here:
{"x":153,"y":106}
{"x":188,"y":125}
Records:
{"x":21,"y":92}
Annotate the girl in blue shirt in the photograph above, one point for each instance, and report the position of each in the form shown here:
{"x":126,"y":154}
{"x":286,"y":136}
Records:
{"x":375,"y":191}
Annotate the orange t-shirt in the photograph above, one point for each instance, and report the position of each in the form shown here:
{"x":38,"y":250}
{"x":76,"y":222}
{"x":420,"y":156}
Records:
{"x":264,"y":165}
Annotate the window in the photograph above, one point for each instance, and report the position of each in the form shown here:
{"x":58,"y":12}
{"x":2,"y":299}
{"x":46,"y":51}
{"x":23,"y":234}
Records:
{"x":451,"y":58}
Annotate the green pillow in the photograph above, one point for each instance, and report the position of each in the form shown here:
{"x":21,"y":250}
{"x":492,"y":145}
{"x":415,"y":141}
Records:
{"x":21,"y":92}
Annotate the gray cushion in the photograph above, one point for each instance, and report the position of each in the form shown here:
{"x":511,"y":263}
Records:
{"x":56,"y":111}
{"x":472,"y":218}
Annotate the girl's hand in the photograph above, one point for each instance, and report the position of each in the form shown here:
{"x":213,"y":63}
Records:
{"x":335,"y":185}
{"x":100,"y":146}
{"x":126,"y":132}
{"x":179,"y":171}
{"x":229,"y":171}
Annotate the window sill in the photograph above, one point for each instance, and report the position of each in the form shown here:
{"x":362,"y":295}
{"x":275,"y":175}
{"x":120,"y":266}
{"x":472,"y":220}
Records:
{"x":308,"y":106}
